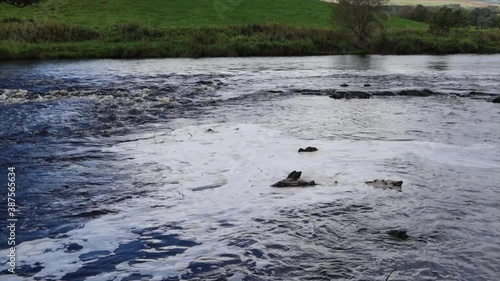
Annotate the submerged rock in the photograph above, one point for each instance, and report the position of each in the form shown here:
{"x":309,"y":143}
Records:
{"x":350,"y":95}
{"x":416,"y":93}
{"x":384,"y":94}
{"x":476,"y":93}
{"x":293,"y":180}
{"x":496,"y":100}
{"x":308,"y":149}
{"x":390,"y":184}
{"x":399,"y":234}
{"x":275,"y":91}
{"x":73,"y":247}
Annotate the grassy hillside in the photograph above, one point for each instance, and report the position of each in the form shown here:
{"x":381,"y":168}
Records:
{"x":183,"y":13}
{"x":208,"y":28}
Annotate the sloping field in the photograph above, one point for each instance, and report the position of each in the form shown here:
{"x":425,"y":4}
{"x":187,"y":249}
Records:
{"x":183,"y":13}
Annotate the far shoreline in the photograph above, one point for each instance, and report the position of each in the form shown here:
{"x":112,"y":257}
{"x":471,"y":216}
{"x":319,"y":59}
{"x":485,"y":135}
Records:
{"x":238,"y":41}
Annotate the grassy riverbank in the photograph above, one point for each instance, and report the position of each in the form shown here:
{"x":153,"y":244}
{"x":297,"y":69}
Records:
{"x":201,"y":28}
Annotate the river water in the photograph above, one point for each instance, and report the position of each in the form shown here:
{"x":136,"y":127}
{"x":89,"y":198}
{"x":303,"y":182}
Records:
{"x":119,"y":177}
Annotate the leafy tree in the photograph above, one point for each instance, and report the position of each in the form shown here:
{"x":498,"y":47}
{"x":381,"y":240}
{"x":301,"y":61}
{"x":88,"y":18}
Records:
{"x":20,"y":3}
{"x":420,"y":13}
{"x":442,"y":21}
{"x":361,"y":17}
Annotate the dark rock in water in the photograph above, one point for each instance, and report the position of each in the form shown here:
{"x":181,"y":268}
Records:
{"x":135,"y":111}
{"x":367,"y":85}
{"x":384,"y":94}
{"x":308,"y":149}
{"x":415,"y":93}
{"x":292,"y":183}
{"x":293,"y":180}
{"x":204,"y":82}
{"x":384,"y":184}
{"x":308,"y":92}
{"x":42,"y":132}
{"x":201,"y":188}
{"x":275,"y":91}
{"x":350,"y":95}
{"x":344,"y":85}
{"x":294,"y":175}
{"x":73,"y":247}
{"x":400,"y":234}
{"x":92,"y":214}
{"x":496,"y":100}
{"x":209,"y":131}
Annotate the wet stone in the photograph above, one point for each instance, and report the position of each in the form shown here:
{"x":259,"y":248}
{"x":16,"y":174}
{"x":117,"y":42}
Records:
{"x":384,"y":94}
{"x":415,"y":93}
{"x":73,"y":247}
{"x":386,"y":184}
{"x":293,"y":180}
{"x":399,"y":234}
{"x":350,"y":95}
{"x":308,"y":149}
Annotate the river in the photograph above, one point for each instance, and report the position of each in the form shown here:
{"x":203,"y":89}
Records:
{"x":161,"y":169}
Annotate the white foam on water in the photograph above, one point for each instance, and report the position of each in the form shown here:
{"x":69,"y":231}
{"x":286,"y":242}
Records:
{"x":224,"y":176}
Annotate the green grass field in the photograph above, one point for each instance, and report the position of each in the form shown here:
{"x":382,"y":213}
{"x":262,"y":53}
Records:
{"x":184,"y":13}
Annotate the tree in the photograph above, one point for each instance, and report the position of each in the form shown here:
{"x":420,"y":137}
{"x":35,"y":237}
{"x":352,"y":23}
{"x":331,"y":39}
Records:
{"x":361,"y":17}
{"x":446,"y":18}
{"x":20,"y":3}
{"x":442,"y":21}
{"x":420,"y":13}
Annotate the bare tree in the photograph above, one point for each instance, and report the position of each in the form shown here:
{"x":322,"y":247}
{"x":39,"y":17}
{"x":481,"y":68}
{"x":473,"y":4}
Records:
{"x":361,"y":17}
{"x":20,"y":3}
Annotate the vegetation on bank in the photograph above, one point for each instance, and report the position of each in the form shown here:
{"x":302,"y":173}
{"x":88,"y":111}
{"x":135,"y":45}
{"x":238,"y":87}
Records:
{"x":56,"y":40}
{"x":454,"y":16}
{"x":155,"y":28}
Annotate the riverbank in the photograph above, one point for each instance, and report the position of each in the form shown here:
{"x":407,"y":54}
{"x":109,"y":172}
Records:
{"x":49,"y":40}
{"x":199,"y":28}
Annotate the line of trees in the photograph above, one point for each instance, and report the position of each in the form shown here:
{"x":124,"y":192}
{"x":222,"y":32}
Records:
{"x":454,"y":15}
{"x":363,"y":18}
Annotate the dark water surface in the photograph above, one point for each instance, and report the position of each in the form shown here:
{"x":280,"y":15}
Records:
{"x":118,"y":178}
